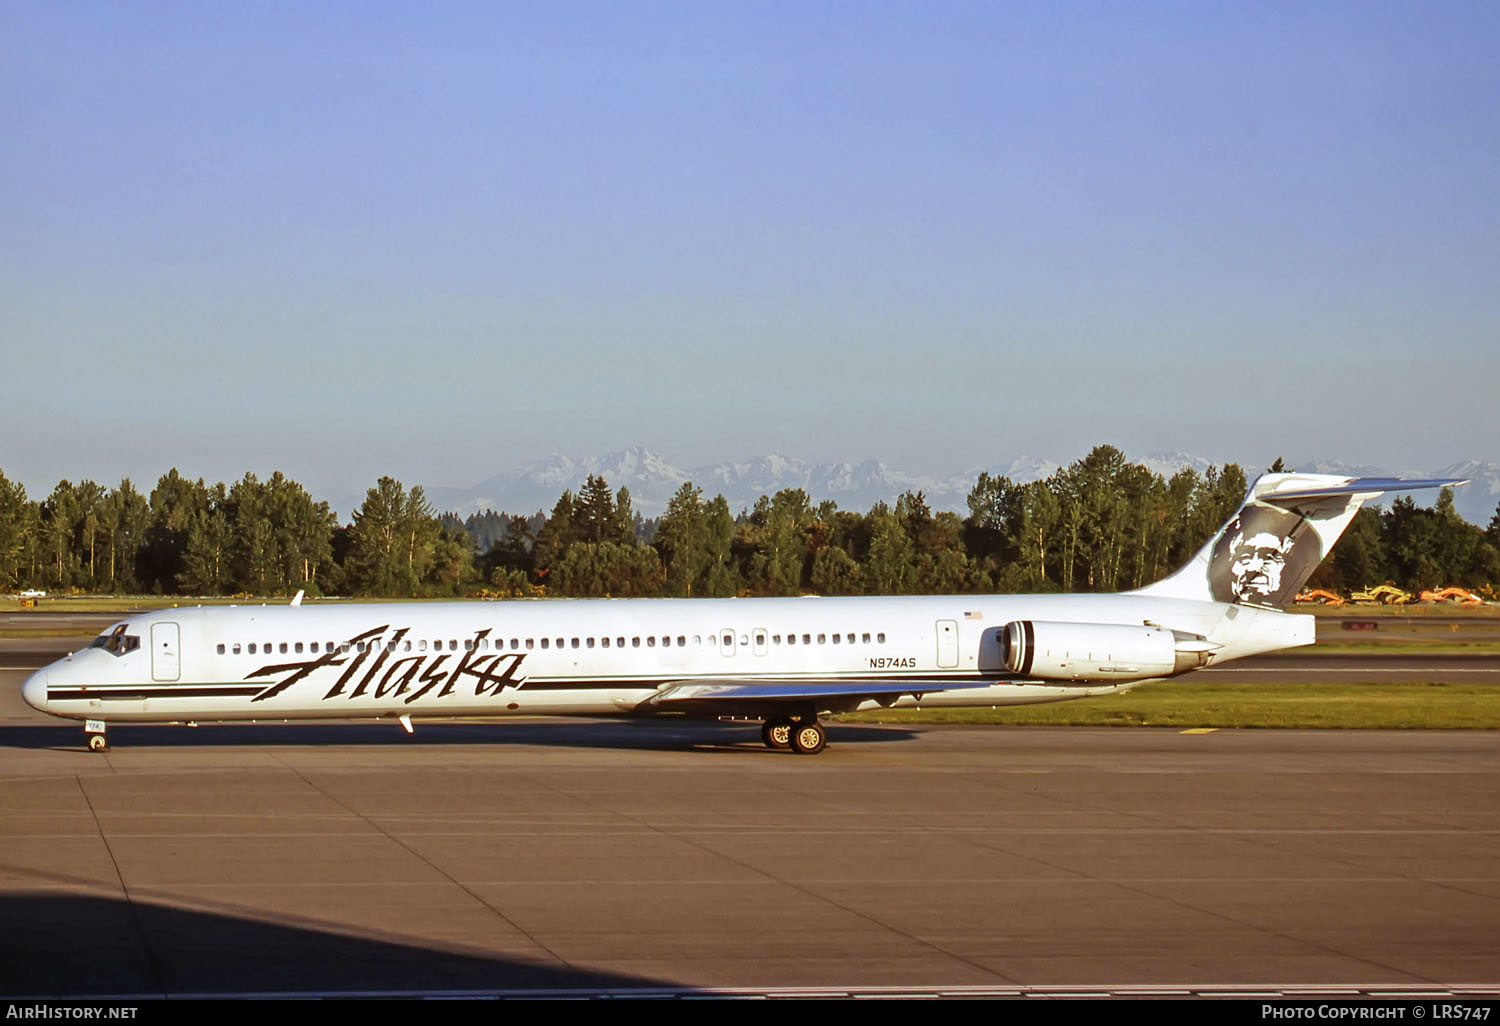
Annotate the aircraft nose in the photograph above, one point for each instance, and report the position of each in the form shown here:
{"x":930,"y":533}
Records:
{"x":34,"y":691}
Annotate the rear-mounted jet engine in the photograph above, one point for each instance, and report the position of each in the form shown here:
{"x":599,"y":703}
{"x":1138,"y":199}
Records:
{"x":1098,"y":651}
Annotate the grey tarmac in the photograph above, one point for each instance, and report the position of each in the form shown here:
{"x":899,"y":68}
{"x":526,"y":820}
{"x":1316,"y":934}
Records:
{"x":676,"y":858}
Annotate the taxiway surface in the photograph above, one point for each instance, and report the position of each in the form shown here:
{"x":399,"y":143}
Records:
{"x":559,"y":855}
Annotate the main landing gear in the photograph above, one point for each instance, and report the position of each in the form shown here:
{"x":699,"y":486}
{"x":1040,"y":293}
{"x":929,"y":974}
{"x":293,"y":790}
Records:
{"x":805,"y":737}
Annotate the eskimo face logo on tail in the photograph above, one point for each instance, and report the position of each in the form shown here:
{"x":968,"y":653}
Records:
{"x":386,"y":667}
{"x":1262,"y":557}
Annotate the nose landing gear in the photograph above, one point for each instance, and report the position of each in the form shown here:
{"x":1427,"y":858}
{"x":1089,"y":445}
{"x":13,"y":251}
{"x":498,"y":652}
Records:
{"x":94,"y":729}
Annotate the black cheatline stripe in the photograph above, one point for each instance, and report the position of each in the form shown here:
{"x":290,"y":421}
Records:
{"x":637,"y":683}
{"x":67,"y":694}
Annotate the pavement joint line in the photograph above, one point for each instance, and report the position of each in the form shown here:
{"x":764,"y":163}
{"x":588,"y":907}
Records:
{"x":152,"y":959}
{"x":685,"y":838}
{"x":1282,"y":934}
{"x":1136,"y":886}
{"x":431,"y":865}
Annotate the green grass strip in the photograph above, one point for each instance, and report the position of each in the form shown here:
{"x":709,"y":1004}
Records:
{"x":1427,"y":706}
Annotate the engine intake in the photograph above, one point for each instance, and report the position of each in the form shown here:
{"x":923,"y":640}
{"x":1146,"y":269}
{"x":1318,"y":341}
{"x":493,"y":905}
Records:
{"x":1097,"y":651}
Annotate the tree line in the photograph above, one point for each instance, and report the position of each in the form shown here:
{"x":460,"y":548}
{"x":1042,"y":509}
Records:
{"x":1100,"y":524}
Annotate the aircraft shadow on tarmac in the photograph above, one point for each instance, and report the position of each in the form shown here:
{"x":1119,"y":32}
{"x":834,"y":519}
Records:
{"x":54,"y":945}
{"x":626,"y":735}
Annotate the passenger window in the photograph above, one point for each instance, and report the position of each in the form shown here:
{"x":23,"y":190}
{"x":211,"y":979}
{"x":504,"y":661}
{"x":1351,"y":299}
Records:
{"x":835,"y":639}
{"x":221,"y":649}
{"x":681,"y":641}
{"x":236,"y":648}
{"x":603,"y":642}
{"x":635,"y":642}
{"x":865,"y":637}
{"x":791,"y":639}
{"x":619,"y":643}
{"x":252,"y":648}
{"x":880,"y":637}
{"x":530,"y":643}
{"x":822,"y":639}
{"x":807,"y":639}
{"x":545,"y":642}
{"x":851,"y":639}
{"x":590,"y":643}
{"x":575,"y":642}
{"x":651,"y":641}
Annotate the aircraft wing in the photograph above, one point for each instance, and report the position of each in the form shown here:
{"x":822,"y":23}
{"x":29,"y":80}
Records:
{"x":753,"y":695}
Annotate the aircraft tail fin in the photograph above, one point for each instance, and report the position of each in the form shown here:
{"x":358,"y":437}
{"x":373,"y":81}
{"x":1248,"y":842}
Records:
{"x":1277,"y":538}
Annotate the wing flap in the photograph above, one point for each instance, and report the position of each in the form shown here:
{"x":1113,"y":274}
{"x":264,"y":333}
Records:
{"x":761,"y":691}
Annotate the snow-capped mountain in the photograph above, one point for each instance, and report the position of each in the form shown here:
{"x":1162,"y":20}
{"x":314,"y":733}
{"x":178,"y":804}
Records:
{"x":653,"y":479}
{"x":1478,"y":501}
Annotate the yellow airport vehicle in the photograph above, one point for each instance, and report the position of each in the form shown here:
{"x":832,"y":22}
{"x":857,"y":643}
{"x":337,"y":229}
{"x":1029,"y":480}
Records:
{"x":1382,"y":594}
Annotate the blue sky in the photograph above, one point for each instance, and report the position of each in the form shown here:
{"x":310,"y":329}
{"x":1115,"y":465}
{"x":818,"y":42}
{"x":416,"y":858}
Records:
{"x":440,"y":240}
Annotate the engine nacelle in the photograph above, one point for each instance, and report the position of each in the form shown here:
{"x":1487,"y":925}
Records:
{"x":1097,"y":651}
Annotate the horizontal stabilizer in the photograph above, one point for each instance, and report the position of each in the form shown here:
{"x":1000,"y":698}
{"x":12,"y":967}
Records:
{"x":1356,"y":486}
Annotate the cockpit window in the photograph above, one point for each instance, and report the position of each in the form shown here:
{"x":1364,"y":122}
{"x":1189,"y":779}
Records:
{"x":116,"y":642}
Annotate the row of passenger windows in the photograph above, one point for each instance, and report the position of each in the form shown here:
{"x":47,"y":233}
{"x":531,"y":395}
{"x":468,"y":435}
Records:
{"x":516,"y":644}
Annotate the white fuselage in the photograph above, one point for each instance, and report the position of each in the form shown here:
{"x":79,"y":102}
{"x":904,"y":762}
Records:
{"x":590,"y":657}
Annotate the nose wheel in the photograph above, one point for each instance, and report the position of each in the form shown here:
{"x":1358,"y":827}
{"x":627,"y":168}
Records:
{"x":94,"y":729}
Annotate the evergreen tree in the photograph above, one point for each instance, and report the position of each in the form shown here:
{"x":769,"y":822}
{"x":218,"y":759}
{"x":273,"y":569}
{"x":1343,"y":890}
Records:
{"x":392,"y":541}
{"x":15,"y":533}
{"x":174,"y":502}
{"x":682,"y":541}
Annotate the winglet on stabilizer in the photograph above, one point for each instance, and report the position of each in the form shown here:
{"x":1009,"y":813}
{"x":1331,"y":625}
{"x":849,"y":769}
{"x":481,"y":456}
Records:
{"x":1277,"y":538}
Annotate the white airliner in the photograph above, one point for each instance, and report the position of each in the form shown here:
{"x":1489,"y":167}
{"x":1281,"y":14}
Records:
{"x":784,"y":662}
